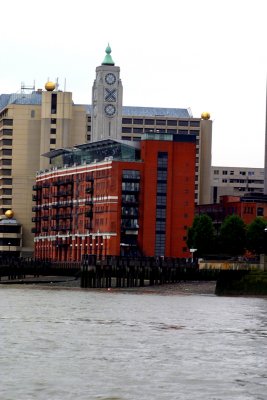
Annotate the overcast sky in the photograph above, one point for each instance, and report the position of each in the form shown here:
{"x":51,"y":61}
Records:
{"x":208,"y":55}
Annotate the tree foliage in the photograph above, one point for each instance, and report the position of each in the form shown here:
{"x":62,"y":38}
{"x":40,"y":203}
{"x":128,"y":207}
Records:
{"x":257,"y":236}
{"x":201,"y":235}
{"x":233,"y":235}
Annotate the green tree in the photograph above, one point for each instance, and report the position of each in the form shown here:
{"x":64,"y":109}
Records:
{"x":233,"y":236}
{"x":201,"y":235}
{"x":257,"y":236}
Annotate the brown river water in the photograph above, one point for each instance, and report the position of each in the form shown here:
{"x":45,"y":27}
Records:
{"x":149,"y":344}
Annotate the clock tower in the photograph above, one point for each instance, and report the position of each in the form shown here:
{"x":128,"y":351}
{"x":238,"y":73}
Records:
{"x":107,"y":101}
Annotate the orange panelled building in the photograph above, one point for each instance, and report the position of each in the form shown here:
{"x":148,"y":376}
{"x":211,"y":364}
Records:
{"x":111,"y":198}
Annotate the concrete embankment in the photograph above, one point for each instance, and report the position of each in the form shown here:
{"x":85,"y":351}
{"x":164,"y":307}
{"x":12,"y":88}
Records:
{"x":241,"y":283}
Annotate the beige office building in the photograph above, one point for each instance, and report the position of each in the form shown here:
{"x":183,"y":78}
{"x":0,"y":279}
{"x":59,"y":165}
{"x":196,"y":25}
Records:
{"x":235,"y":181}
{"x":32,"y":124}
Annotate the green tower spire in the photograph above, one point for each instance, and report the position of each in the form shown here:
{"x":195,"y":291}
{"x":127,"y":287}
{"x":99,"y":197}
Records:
{"x":108,"y":59}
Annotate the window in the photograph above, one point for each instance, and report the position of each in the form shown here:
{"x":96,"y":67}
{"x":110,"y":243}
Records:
{"x":216,"y":172}
{"x":225,"y":172}
{"x":160,"y":122}
{"x":260,"y":212}
{"x":7,"y":142}
{"x":161,"y":213}
{"x":149,"y":121}
{"x":8,"y":122}
{"x":194,"y":132}
{"x":6,"y":172}
{"x":126,"y":129}
{"x":7,"y":181}
{"x":53,"y":103}
{"x":126,"y":120}
{"x":126,"y":138}
{"x":194,"y":123}
{"x":52,"y":141}
{"x":172,"y":122}
{"x":136,"y":139}
{"x":137,"y":130}
{"x":183,"y":131}
{"x":7,"y":202}
{"x":172,"y":130}
{"x":7,"y":161}
{"x":7,"y":152}
{"x":183,"y":123}
{"x":7,"y":132}
{"x":32,"y":113}
{"x":161,"y":188}
{"x":138,"y":121}
{"x":53,"y":130}
{"x":7,"y":192}
{"x":160,"y":226}
{"x":231,"y":172}
{"x":53,"y":120}
{"x":224,"y":180}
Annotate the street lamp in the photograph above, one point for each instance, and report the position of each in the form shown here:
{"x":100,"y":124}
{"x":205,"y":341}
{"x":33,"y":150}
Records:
{"x":192,"y":251}
{"x":9,"y":244}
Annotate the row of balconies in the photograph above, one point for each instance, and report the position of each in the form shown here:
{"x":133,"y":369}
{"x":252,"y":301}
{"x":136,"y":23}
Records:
{"x":62,"y":182}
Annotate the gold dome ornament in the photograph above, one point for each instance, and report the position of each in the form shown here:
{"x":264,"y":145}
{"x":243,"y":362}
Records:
{"x":9,"y":214}
{"x":205,"y":115}
{"x":50,"y":86}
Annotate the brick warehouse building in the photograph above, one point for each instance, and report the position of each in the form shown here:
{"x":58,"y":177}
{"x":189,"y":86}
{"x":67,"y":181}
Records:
{"x":113,"y":197}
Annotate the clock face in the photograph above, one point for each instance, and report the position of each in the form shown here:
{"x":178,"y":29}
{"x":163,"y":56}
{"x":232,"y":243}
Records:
{"x":110,"y":78}
{"x":110,"y":110}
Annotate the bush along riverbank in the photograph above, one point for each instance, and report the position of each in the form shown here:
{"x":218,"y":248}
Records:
{"x":238,"y":283}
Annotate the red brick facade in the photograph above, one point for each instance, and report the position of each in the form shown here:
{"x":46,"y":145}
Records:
{"x":118,"y":207}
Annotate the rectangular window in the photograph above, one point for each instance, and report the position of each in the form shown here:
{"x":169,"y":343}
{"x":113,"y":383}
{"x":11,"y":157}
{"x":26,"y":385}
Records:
{"x":183,"y":131}
{"x":7,"y":152}
{"x":32,"y":113}
{"x":53,"y":120}
{"x":138,"y":121}
{"x":7,"y":202}
{"x":126,"y":129}
{"x":216,"y":172}
{"x":8,"y":122}
{"x":183,"y":123}
{"x":7,"y":132}
{"x":172,"y":130}
{"x":127,"y":120}
{"x":149,"y":121}
{"x":225,"y":172}
{"x":6,"y":172}
{"x":137,"y":130}
{"x":53,"y":141}
{"x":7,"y":181}
{"x":53,"y":103}
{"x":7,"y":192}
{"x":160,"y":122}
{"x":136,"y":139}
{"x":7,"y":161}
{"x":195,"y":123}
{"x":126,"y":138}
{"x":172,"y":122}
{"x":53,"y":130}
{"x":7,"y":142}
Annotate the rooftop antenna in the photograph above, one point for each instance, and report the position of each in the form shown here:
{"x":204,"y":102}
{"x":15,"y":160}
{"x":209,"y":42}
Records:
{"x":57,"y":84}
{"x":25,"y":88}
